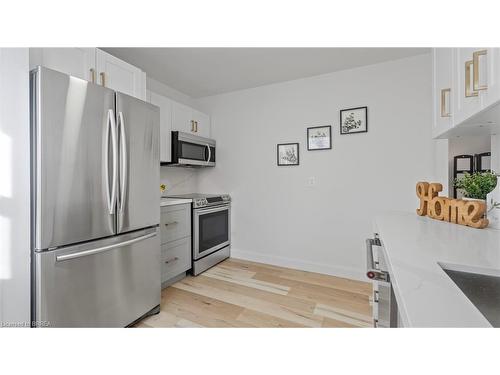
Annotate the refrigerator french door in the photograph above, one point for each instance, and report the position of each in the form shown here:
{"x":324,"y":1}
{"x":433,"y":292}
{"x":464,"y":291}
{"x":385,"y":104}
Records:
{"x":94,"y":210}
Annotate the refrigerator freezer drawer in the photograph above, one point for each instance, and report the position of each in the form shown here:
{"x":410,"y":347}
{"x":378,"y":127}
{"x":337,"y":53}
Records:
{"x":107,"y":283}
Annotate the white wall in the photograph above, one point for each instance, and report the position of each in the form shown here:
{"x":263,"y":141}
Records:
{"x":276,"y":217}
{"x":14,"y":186}
{"x":169,"y":92}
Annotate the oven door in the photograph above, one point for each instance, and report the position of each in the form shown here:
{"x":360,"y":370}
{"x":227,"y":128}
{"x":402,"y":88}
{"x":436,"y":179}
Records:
{"x":211,"y":229}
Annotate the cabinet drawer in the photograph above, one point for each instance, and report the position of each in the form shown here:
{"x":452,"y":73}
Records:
{"x":175,"y":222}
{"x":175,"y":258}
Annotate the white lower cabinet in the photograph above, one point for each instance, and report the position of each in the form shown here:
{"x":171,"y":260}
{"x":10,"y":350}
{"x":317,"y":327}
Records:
{"x":175,"y":228}
{"x":175,"y":258}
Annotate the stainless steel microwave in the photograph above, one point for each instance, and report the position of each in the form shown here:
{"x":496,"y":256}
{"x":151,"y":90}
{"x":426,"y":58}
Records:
{"x":190,"y":150}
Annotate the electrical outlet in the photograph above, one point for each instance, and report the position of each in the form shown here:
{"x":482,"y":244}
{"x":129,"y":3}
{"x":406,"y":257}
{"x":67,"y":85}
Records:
{"x":311,"y":181}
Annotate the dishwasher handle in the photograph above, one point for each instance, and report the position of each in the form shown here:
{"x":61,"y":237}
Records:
{"x":373,"y":272}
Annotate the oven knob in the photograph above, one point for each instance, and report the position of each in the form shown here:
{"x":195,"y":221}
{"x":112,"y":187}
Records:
{"x":370,"y":274}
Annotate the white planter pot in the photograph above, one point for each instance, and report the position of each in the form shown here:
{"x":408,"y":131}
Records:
{"x":493,"y":207}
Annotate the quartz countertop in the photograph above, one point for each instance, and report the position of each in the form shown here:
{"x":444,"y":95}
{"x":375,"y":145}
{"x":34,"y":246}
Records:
{"x":174,"y":201}
{"x":416,"y":247}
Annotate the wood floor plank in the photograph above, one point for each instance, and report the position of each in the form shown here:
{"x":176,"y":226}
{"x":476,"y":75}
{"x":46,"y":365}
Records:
{"x":200,"y":309}
{"x":304,"y":276}
{"x":249,"y":303}
{"x":224,"y":275}
{"x":259,"y":319}
{"x":293,"y":303}
{"x":322,"y":294}
{"x":237,"y":293}
{"x":332,"y":323}
{"x":343,"y":315}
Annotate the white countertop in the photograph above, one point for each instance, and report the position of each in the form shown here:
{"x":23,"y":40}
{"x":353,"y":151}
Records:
{"x":415,"y":247}
{"x":174,"y":201}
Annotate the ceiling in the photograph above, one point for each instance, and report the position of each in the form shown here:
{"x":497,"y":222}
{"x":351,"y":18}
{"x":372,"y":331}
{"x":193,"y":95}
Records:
{"x":199,"y":72}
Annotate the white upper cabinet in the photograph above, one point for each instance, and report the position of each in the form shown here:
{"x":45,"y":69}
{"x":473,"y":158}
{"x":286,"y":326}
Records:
{"x":165,"y":105}
{"x":182,"y":119}
{"x":488,"y":75}
{"x":78,"y":62}
{"x":472,"y":76}
{"x":175,"y":116}
{"x":468,"y":102}
{"x":201,"y":124}
{"x":93,"y":65}
{"x":189,"y":120}
{"x":120,"y":76}
{"x":443,"y":90}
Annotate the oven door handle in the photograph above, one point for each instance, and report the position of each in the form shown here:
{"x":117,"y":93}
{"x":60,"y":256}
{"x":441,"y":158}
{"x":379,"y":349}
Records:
{"x":212,"y":209}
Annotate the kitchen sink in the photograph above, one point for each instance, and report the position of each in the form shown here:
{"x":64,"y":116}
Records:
{"x":482,"y":290}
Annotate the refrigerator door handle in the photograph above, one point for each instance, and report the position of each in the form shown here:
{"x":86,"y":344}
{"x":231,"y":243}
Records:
{"x":61,"y":258}
{"x":123,"y":158}
{"x":111,"y":127}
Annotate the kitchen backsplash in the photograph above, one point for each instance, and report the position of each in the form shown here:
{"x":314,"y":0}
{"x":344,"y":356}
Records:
{"x":178,"y":180}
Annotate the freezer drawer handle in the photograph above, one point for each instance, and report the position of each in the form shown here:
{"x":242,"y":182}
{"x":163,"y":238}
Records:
{"x":373,"y":272}
{"x":61,"y":258}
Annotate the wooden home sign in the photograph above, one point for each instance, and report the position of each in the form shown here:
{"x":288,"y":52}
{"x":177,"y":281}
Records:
{"x":459,"y":211}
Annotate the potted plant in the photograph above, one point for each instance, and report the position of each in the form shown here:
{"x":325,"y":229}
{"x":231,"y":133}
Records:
{"x":476,"y":185}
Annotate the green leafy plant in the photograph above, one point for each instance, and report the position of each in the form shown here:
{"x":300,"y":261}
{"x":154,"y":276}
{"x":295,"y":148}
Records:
{"x":476,"y":185}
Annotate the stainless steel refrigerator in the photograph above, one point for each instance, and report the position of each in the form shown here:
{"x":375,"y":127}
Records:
{"x":95,"y":204}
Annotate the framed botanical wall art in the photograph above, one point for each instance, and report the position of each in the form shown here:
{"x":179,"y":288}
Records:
{"x":319,"y":138}
{"x":288,"y":154}
{"x":354,"y":120}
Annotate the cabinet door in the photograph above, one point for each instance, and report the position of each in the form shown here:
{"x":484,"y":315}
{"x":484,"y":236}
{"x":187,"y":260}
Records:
{"x":77,"y":62}
{"x":120,"y":75}
{"x":488,"y":75}
{"x":165,"y":105}
{"x":444,"y":90}
{"x":182,"y":118}
{"x":468,"y":102}
{"x":202,"y":124}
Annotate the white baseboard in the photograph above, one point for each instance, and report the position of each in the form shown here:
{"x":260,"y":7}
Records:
{"x":346,"y":272}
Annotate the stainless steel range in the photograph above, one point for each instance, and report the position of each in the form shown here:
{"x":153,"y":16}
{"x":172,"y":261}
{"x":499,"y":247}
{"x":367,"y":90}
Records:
{"x":211,"y":229}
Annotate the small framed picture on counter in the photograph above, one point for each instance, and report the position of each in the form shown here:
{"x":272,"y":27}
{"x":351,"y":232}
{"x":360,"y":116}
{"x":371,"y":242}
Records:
{"x":288,"y":154}
{"x":319,"y":138}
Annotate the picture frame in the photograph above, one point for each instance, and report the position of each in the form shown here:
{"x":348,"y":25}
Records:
{"x":319,"y":138}
{"x":354,"y":120}
{"x":287,"y":154}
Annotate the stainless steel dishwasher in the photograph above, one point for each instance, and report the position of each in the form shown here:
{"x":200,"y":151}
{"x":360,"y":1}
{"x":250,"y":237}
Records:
{"x":385,"y":312}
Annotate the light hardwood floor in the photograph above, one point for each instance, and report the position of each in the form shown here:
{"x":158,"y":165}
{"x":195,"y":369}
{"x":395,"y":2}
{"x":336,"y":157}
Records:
{"x":238,"y":293}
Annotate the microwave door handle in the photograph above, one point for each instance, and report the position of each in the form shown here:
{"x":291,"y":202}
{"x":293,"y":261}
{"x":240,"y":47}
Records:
{"x":209,"y":153}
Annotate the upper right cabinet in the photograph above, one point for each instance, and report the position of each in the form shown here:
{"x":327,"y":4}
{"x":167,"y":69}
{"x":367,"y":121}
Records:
{"x":466,"y":85}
